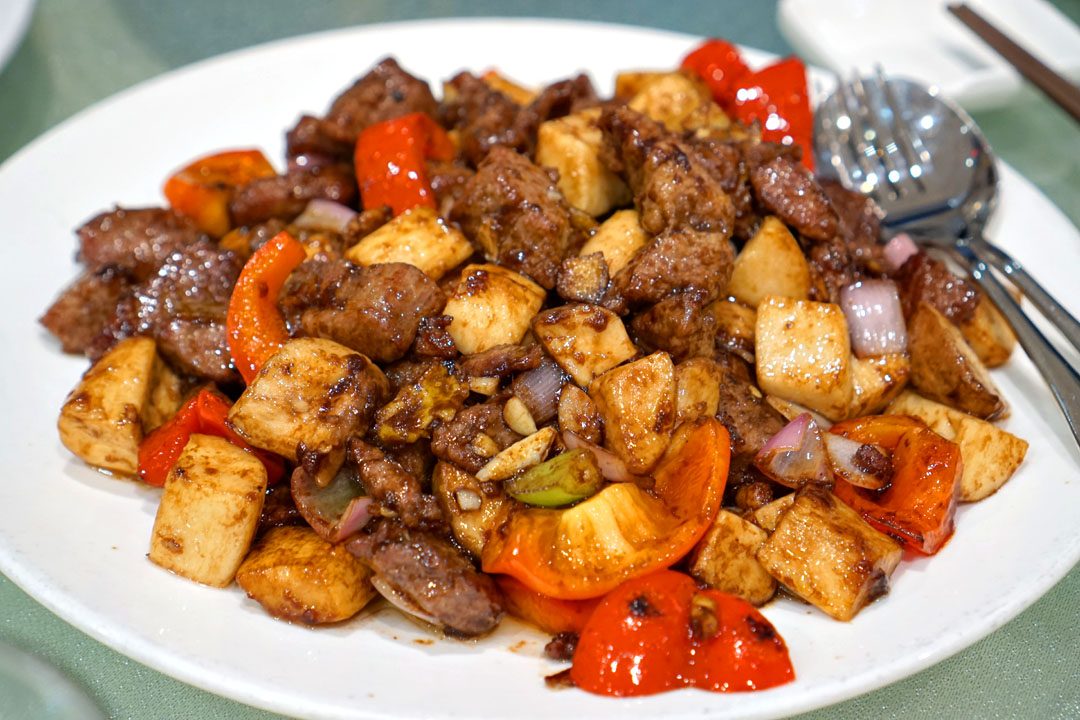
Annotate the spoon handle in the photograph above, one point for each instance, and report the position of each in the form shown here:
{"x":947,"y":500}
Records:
{"x":1061,"y":318}
{"x":1059,"y":375}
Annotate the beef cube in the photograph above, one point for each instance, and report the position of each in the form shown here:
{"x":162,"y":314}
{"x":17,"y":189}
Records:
{"x":375,"y":310}
{"x":137,"y":240}
{"x":512,"y":210}
{"x":286,"y":196}
{"x":85,"y":307}
{"x":386,"y":92}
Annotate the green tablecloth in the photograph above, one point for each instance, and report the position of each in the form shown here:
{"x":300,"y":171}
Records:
{"x":80,"y":51}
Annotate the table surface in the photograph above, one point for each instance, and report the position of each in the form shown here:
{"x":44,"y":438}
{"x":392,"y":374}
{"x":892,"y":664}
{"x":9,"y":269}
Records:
{"x":80,"y":51}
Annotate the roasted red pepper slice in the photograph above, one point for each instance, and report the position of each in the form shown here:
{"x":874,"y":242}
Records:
{"x":622,"y":531}
{"x":743,"y":651}
{"x":213,"y":410}
{"x":720,"y":65}
{"x":255,"y":327}
{"x":389,"y":160}
{"x":160,"y":449}
{"x":205,"y":413}
{"x":660,"y":632}
{"x":919,"y":504}
{"x":202,"y":190}
{"x":547,"y":613}
{"x":777,"y":98}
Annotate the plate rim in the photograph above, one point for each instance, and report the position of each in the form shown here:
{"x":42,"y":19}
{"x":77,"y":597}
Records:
{"x":176,"y":664}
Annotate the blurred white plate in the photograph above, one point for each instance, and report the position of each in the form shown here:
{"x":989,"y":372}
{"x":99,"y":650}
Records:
{"x":919,"y":39}
{"x":76,"y":540}
{"x":14,"y":22}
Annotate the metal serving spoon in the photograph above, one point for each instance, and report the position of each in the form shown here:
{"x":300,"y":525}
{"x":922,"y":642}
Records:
{"x":929,"y":168}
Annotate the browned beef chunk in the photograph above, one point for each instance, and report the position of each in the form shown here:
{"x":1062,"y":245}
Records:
{"x":924,"y":279}
{"x":788,"y":190}
{"x":455,"y":441}
{"x":677,"y":260}
{"x":831,"y":269}
{"x":314,"y":143}
{"x":85,"y":307}
{"x":448,"y":181}
{"x":183,"y":307}
{"x":562,"y":646}
{"x":286,"y":196}
{"x":512,"y":210}
{"x":433,"y":338}
{"x":483,"y":116}
{"x":749,"y":419}
{"x":679,"y":324}
{"x":414,"y":458}
{"x":386,"y":92}
{"x":395,"y":490}
{"x":433,"y":574}
{"x":673,"y":185}
{"x":726,"y":163}
{"x":375,"y":310}
{"x":136,"y":240}
{"x":858,"y":224}
{"x":556,"y":100}
{"x":502,"y":360}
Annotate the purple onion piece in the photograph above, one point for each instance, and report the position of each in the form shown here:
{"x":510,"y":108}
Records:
{"x":796,"y":455}
{"x":875,"y":318}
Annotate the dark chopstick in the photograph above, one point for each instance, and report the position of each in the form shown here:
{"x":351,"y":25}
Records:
{"x":1060,"y":90}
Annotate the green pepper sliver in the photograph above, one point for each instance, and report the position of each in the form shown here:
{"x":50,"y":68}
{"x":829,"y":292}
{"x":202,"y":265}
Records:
{"x":563,"y":480}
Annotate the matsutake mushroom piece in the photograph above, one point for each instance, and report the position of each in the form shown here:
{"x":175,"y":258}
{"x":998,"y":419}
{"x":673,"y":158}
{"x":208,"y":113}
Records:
{"x":300,"y":577}
{"x":209,"y":511}
{"x":585,"y":340}
{"x":771,"y":263}
{"x":418,"y":237}
{"x":311,"y":391}
{"x":475,"y":509}
{"x":572,"y":145}
{"x":803,"y":354}
{"x":102,"y":419}
{"x":638,"y":404}
{"x":725,"y":559}
{"x":825,"y":552}
{"x":991,"y":455}
{"x":491,"y":306}
{"x":618,"y":239}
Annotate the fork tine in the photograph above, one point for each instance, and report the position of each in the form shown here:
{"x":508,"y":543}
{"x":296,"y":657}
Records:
{"x":865,"y":152}
{"x":837,"y":142}
{"x":886,"y":142}
{"x":910,"y":144}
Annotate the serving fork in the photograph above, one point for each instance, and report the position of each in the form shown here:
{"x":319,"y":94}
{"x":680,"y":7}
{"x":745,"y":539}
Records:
{"x":929,"y":168}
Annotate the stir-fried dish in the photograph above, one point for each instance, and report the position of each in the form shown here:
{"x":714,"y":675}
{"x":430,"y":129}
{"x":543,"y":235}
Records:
{"x":621,"y":367}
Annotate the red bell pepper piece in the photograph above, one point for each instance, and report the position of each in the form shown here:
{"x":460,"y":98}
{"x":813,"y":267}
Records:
{"x":203,"y":189}
{"x":213,"y":410}
{"x":160,"y":449}
{"x":547,"y":613}
{"x":659,"y":632}
{"x":205,"y":413}
{"x":776,"y":97}
{"x":721,"y":67}
{"x":579,"y":553}
{"x":389,"y":160}
{"x":919,"y":505}
{"x":255,"y":327}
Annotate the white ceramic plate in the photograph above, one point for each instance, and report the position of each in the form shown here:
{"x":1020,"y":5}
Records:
{"x":14,"y":22}
{"x":76,"y":540}
{"x":919,"y":39}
